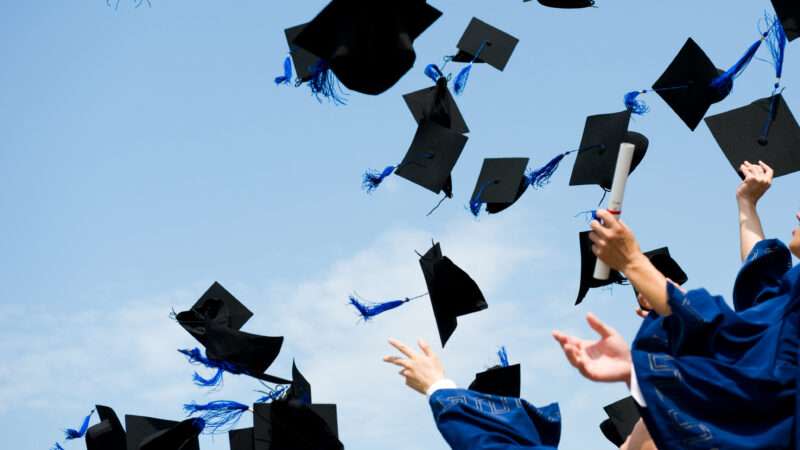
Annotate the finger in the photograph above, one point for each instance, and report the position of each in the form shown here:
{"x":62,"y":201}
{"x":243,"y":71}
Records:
{"x":597,"y":325}
{"x":595,"y":250}
{"x":596,"y":238}
{"x":426,"y":349}
{"x":641,"y":313}
{"x":560,"y":337}
{"x":606,"y":217}
{"x":398,"y":361}
{"x":402,"y":348}
{"x":767,"y":169}
{"x":598,"y":230}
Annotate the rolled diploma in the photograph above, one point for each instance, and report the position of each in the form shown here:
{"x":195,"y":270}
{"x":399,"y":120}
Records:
{"x":624,"y":159}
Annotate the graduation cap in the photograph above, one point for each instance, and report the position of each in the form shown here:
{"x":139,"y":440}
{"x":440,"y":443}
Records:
{"x":599,"y":149}
{"x":765,"y":131}
{"x":147,"y":433}
{"x":451,"y":290}
{"x":294,"y":422}
{"x":242,"y":439}
{"x":588,"y":262}
{"x":502,"y":380}
{"x":108,"y":434}
{"x":430,"y":159}
{"x":622,"y":418}
{"x":367,"y":45}
{"x":692,"y":83}
{"x":304,"y":61}
{"x":436,"y":104}
{"x":215,"y":321}
{"x":567,"y":4}
{"x":789,"y":13}
{"x":500,"y":184}
{"x":481,"y":43}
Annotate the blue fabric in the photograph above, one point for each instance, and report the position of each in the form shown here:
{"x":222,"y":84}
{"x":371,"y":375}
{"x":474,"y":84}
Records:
{"x":717,"y":377}
{"x":470,"y":420}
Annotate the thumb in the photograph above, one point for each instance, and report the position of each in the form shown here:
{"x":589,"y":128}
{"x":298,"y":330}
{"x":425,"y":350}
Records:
{"x":602,"y":329}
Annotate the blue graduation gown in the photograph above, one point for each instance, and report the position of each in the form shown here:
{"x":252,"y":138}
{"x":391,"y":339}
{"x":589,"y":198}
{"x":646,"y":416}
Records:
{"x":716,"y":377}
{"x":469,"y":420}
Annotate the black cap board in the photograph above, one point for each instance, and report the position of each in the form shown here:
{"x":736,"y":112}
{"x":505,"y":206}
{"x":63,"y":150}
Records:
{"x":764,"y":130}
{"x":788,"y":12}
{"x":452,"y":292}
{"x":567,"y":4}
{"x":241,"y":439}
{"x":597,"y":158}
{"x":498,"y":380}
{"x":588,"y":263}
{"x":482,"y":42}
{"x":437,"y":105}
{"x":303,"y":60}
{"x":300,"y":388}
{"x":432,"y":156}
{"x":622,"y":417}
{"x":215,"y":324}
{"x":368,"y":45}
{"x":501,"y":183}
{"x":108,"y":434}
{"x":147,"y":433}
{"x":686,"y":84}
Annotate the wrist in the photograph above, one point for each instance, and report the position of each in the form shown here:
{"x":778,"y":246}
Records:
{"x":635,"y":263}
{"x":746,"y":204}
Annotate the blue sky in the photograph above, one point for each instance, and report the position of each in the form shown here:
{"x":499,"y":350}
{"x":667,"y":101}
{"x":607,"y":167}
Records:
{"x":145,"y":153}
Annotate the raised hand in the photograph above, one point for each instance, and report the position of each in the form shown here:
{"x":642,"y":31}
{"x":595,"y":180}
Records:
{"x":607,"y":359}
{"x":757,"y":180}
{"x":421,"y":370}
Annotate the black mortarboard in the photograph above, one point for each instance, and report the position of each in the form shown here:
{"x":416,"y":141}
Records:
{"x":436,"y":104}
{"x":294,"y":423}
{"x":597,"y":157}
{"x":432,"y":156}
{"x":108,"y":434}
{"x":764,"y":131}
{"x":788,"y":12}
{"x":567,"y":4}
{"x":147,"y":433}
{"x":588,"y":263}
{"x":241,"y":439}
{"x":215,"y":323}
{"x":452,"y":292}
{"x":498,"y":380}
{"x":304,"y":61}
{"x":369,"y":45}
{"x":482,"y":42}
{"x":501,"y":183}
{"x":686,"y":84}
{"x":622,"y":417}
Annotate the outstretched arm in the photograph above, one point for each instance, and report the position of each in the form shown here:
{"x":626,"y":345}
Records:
{"x":757,"y":180}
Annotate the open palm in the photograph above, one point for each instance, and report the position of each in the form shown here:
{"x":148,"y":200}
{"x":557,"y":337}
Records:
{"x":607,"y":359}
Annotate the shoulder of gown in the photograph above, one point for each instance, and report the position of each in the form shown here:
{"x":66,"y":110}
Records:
{"x":760,"y":277}
{"x":469,"y":420}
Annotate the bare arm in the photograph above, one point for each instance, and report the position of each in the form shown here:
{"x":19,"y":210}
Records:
{"x":758,"y":178}
{"x":615,"y":244}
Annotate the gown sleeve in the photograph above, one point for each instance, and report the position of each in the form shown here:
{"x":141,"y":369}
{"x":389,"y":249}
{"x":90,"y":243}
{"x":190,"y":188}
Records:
{"x":760,"y":277}
{"x":470,"y":420}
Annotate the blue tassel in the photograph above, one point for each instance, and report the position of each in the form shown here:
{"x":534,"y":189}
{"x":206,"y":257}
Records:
{"x":57,"y":446}
{"x":77,"y":434}
{"x":634,"y":104}
{"x":503,"y":355}
{"x":195,"y":356}
{"x":460,"y":82}
{"x":324,"y":83}
{"x":217,"y":415}
{"x":373,"y":178}
{"x":723,"y":84}
{"x":433,"y":72}
{"x":287,"y":73}
{"x":476,"y":202}
{"x":540,"y":177}
{"x":272,"y":394}
{"x":776,"y":41}
{"x":369,"y":311}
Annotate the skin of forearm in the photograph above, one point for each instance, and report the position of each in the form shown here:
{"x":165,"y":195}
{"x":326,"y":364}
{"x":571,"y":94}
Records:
{"x":651,"y":283}
{"x":750,"y":229}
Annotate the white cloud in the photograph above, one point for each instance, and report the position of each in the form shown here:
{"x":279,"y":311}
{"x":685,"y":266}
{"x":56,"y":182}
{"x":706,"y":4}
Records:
{"x":126,"y":357}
